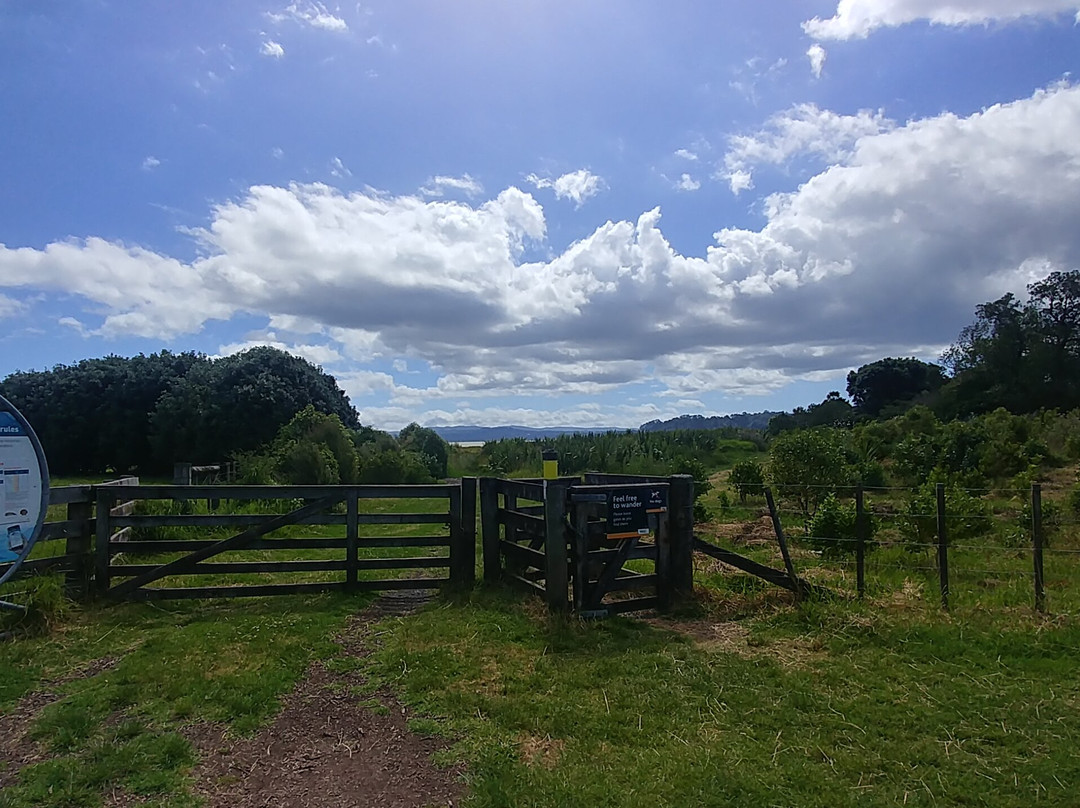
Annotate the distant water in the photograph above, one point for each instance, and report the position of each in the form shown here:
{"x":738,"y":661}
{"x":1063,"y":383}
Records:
{"x":468,"y":444}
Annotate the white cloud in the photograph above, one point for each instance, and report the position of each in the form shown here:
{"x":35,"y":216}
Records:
{"x":856,"y":19}
{"x":817,"y":55}
{"x":687,"y":183}
{"x":439,"y":185}
{"x":883,"y":253}
{"x":803,"y":130}
{"x":578,"y":186}
{"x":277,"y":152}
{"x":272,"y":49}
{"x":150,"y":163}
{"x":316,"y":354}
{"x":338,"y":169}
{"x":9,"y":306}
{"x":310,"y":13}
{"x":686,"y":154}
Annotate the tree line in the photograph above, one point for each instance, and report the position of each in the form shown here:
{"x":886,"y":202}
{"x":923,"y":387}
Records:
{"x":1020,"y":356}
{"x":278,"y":413}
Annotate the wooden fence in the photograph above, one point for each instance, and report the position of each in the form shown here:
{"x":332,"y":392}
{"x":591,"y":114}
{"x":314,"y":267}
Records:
{"x":112,"y":551}
{"x":549,"y":538}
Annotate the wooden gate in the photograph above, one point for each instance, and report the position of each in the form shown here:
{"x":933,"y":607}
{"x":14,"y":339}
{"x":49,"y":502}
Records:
{"x":440,"y":517}
{"x":559,"y":539}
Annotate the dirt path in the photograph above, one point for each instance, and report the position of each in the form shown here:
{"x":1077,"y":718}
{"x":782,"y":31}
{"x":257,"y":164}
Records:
{"x":324,"y":748}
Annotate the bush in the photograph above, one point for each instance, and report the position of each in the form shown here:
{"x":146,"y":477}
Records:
{"x":834,"y":530}
{"x":806,"y":466}
{"x":747,"y":478}
{"x":966,"y":516}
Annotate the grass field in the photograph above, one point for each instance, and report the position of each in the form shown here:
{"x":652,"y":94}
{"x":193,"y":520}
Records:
{"x":742,"y":698}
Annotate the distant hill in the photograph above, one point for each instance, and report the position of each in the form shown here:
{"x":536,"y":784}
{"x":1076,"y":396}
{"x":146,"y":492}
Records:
{"x":742,"y":420}
{"x":472,"y":434}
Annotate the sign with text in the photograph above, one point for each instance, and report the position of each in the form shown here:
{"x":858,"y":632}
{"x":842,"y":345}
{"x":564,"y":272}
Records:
{"x":24,"y":488}
{"x":628,"y":510}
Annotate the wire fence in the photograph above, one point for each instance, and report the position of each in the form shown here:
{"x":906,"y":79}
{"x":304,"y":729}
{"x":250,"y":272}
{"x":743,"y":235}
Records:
{"x":984,"y":548}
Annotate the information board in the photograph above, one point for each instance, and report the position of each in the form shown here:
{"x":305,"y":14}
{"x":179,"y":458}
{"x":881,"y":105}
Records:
{"x":628,"y":510}
{"x":24,"y":488}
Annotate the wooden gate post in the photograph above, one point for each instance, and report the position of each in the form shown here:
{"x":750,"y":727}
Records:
{"x":556,"y":579}
{"x":79,"y":550}
{"x":466,"y":567}
{"x":489,"y":529}
{"x":106,"y":499}
{"x":680,"y":560}
{"x":1037,"y":546}
{"x":943,"y":547}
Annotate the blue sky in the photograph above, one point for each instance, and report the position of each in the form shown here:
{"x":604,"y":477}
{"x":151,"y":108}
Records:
{"x":542,"y":212}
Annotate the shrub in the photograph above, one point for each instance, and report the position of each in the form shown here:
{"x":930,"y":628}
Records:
{"x":808,"y":465}
{"x":747,"y":478}
{"x":834,"y":530}
{"x":966,"y":516}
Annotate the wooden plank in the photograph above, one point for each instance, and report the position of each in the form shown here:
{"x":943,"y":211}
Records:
{"x":641,"y":550}
{"x":489,"y":529}
{"x":67,"y":494}
{"x":123,"y":509}
{"x":620,"y":480}
{"x":534,"y":492}
{"x":632,"y":605}
{"x":270,"y":590}
{"x":531,"y":526}
{"x":405,"y":519}
{"x":155,"y":546}
{"x":526,"y":584}
{"x":236,"y":542}
{"x":468,"y":531}
{"x":212,"y":520}
{"x":247,"y":492}
{"x":35,"y":565}
{"x":122,"y":482}
{"x":633,"y":581}
{"x":352,"y":505}
{"x":322,"y":565}
{"x":121,"y":536}
{"x":69,"y":528}
{"x":521,"y":554}
{"x":796,"y":584}
{"x":773,"y":576}
{"x":596,"y":592}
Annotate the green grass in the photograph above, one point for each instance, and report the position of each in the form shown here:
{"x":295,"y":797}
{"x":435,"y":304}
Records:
{"x":828,"y":705}
{"x":157,"y":670}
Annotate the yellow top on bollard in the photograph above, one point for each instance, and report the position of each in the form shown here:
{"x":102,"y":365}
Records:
{"x":551,"y":464}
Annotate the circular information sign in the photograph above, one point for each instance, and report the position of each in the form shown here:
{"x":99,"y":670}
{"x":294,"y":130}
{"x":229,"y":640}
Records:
{"x":24,"y":489}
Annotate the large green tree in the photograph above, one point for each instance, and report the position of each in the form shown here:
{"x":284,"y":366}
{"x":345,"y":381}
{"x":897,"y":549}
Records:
{"x":891,"y":382}
{"x":1022,"y":356}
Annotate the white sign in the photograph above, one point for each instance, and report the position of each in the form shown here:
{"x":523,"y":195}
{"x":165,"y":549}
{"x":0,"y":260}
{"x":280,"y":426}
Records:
{"x":24,"y":488}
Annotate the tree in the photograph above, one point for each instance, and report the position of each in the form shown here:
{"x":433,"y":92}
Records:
{"x":889,"y":382}
{"x":747,"y":478}
{"x":426,"y":443}
{"x":807,"y":465}
{"x":238,"y":403}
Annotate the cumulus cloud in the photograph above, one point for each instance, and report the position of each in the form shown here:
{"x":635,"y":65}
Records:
{"x":316,"y":354}
{"x":272,"y":49}
{"x":440,"y":185}
{"x":577,"y":186}
{"x":9,"y":306}
{"x":856,"y":19}
{"x":885,"y":252}
{"x":817,"y":55}
{"x":686,"y":154}
{"x":687,"y":183}
{"x":804,"y":130}
{"x":338,"y":169}
{"x":313,"y":14}
{"x":150,"y":163}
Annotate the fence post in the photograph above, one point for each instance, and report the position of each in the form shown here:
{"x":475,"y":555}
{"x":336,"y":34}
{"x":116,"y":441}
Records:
{"x":106,"y":499}
{"x":680,"y":537}
{"x":1037,"y":546}
{"x":796,"y":584}
{"x":79,"y":550}
{"x":181,"y":473}
{"x":860,"y":543}
{"x":555,"y":571}
{"x":352,"y":535}
{"x":942,"y":547}
{"x":489,"y":528}
{"x":468,"y":531}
